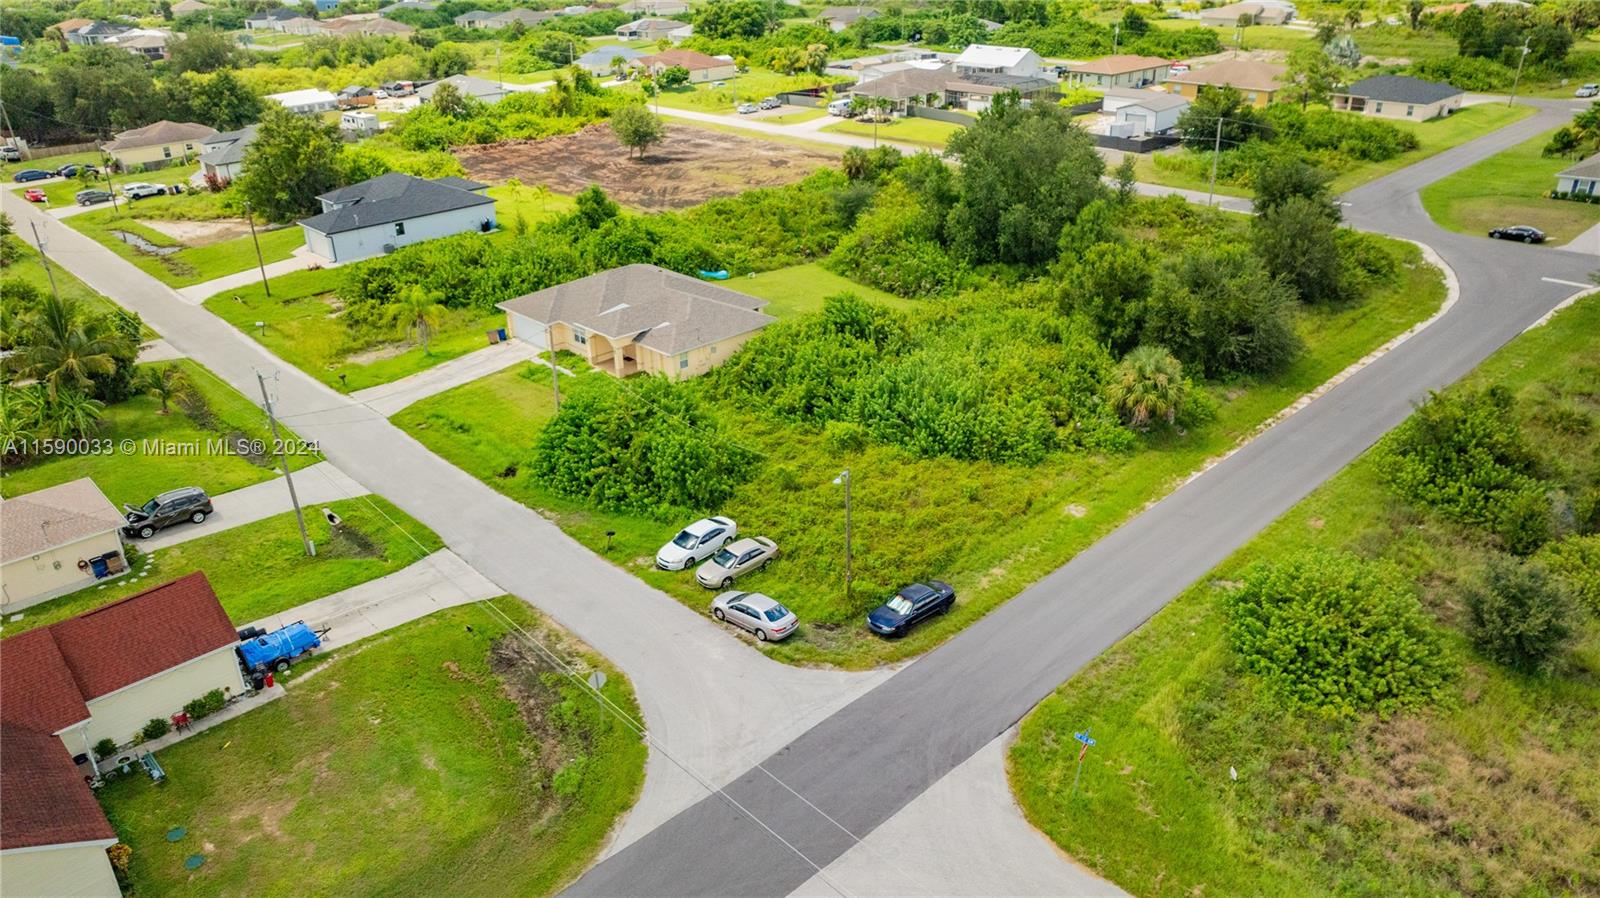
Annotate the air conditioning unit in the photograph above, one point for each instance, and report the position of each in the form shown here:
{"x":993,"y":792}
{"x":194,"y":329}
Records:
{"x":388,"y":248}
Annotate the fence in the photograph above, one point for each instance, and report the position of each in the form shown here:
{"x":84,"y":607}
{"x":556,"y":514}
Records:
{"x":941,"y":115}
{"x":30,"y":153}
{"x":1146,"y":144}
{"x":815,"y":101}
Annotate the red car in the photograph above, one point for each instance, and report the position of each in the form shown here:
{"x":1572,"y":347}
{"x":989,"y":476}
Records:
{"x":33,"y":195}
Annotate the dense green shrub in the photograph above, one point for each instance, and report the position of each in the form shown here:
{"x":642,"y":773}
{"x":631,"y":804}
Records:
{"x":1298,"y":243}
{"x":105,"y":748}
{"x":775,"y":227}
{"x":1520,"y":615}
{"x":1576,"y":560}
{"x":1110,"y":285}
{"x":1333,"y":634}
{"x":206,"y":705}
{"x":644,"y":445}
{"x":894,"y":247}
{"x":155,"y":728}
{"x":1463,"y":453}
{"x":1217,"y":309}
{"x":1465,"y":72}
{"x":1353,"y":136}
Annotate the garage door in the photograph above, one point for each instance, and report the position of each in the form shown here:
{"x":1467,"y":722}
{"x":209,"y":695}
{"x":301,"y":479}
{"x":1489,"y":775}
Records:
{"x":528,"y":331}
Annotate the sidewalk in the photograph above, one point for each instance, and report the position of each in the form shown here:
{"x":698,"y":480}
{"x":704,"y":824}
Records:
{"x":386,"y":399}
{"x":302,"y":259}
{"x":321,"y":482}
{"x":441,"y":580}
{"x":1587,"y":242}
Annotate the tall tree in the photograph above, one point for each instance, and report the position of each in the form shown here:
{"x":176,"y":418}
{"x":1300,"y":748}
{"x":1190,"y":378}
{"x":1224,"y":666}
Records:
{"x":722,"y":19}
{"x":1312,"y":76}
{"x":204,"y":50}
{"x":294,"y":159}
{"x":1298,"y":242}
{"x":1240,"y":122}
{"x":64,"y":347}
{"x":637,"y":128}
{"x":103,"y":89}
{"x":1025,"y":172}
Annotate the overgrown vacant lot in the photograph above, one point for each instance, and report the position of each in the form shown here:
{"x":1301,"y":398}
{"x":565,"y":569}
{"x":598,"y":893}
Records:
{"x":180,"y":263}
{"x":1488,"y":789}
{"x":689,"y":167}
{"x":215,"y":414}
{"x":261,"y":568}
{"x":989,"y":528}
{"x":1509,"y":189}
{"x":446,"y":757}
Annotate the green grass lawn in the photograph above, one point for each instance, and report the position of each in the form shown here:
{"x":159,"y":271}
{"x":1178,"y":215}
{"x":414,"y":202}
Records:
{"x":47,"y":163}
{"x":1434,"y":136}
{"x":526,"y":201}
{"x":1256,"y":37}
{"x":923,"y":132}
{"x":132,"y":477}
{"x":989,"y":529}
{"x":441,"y":758}
{"x":801,"y":288}
{"x":751,"y":87}
{"x":1490,"y":793}
{"x":191,"y":264}
{"x":61,"y":193}
{"x":797,"y":115}
{"x":261,"y":568}
{"x":1509,"y":189}
{"x":302,"y":328}
{"x":27,"y":266}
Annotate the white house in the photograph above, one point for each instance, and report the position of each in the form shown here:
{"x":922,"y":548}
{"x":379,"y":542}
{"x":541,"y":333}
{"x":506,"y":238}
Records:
{"x":988,"y":59}
{"x":390,"y":211}
{"x":309,"y":101}
{"x":358,"y":124}
{"x":1141,"y":112}
{"x":1583,"y":178}
{"x":222,"y":155}
{"x":57,"y":540}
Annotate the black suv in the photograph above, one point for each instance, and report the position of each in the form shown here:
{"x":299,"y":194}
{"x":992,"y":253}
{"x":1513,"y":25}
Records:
{"x":172,"y":507}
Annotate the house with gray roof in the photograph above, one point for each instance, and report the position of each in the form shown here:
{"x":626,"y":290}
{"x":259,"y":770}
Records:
{"x":602,"y":60}
{"x":479,"y":89}
{"x":380,"y":215}
{"x":1582,"y":179}
{"x":1399,"y":96}
{"x":222,"y":155}
{"x":639,"y":319}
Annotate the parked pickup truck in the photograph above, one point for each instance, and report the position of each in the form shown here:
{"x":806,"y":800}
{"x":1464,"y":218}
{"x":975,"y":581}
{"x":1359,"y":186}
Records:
{"x":261,"y":651}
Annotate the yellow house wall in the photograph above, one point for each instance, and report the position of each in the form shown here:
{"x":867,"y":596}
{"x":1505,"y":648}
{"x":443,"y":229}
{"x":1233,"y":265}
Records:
{"x":650,"y":361}
{"x":119,"y":715}
{"x":1256,"y":98}
{"x":77,"y":871}
{"x":154,"y":155}
{"x":29,"y":581}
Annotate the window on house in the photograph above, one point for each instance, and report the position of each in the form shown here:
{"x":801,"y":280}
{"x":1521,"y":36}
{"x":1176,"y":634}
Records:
{"x":166,"y":152}
{"x":399,"y":228}
{"x":1409,"y":110}
{"x":1378,"y":106}
{"x":579,"y":335}
{"x":683,"y":361}
{"x":1251,"y":96}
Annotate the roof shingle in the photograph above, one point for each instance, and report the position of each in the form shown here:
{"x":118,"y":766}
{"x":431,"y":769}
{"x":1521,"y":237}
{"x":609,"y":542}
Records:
{"x":55,"y":516}
{"x":390,"y":198}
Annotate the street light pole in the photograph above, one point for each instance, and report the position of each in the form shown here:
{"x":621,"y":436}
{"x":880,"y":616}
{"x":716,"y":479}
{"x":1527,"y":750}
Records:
{"x":39,"y":242}
{"x":260,"y":263}
{"x":1518,"y":80}
{"x":844,"y":478}
{"x":283,"y":456}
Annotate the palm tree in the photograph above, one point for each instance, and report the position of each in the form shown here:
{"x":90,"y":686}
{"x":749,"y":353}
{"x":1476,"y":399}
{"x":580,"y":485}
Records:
{"x":419,"y":309}
{"x":167,"y":384}
{"x":62,"y":347}
{"x":1148,"y":385}
{"x":72,"y":414}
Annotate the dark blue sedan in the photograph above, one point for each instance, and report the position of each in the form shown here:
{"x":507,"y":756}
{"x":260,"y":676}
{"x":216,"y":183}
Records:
{"x":910,"y":606}
{"x":31,"y":174}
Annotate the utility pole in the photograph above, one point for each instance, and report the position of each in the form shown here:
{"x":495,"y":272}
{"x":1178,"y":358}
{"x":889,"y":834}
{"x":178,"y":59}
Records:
{"x":251,"y":217}
{"x":844,"y":478}
{"x":39,"y":242}
{"x":283,"y":455}
{"x":1211,"y":189}
{"x":1518,"y":80}
{"x":555,"y":374}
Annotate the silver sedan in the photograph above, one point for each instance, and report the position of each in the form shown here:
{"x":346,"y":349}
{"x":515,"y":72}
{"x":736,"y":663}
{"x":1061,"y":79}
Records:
{"x":736,"y":560}
{"x":761,"y":615}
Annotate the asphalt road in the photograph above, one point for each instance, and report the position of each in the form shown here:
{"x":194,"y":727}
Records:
{"x":784,"y":820}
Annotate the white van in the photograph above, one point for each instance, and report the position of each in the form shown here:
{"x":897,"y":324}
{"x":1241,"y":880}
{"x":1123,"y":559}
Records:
{"x":839,"y":107}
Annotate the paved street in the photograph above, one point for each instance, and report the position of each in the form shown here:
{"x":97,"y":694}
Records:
{"x":807,"y":805}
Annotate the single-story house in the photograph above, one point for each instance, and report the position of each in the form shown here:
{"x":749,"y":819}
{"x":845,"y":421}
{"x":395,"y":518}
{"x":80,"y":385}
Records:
{"x":1583,"y":178}
{"x":975,"y":92}
{"x":356,"y":95}
{"x":527,"y":17}
{"x":1258,"y":81}
{"x":185,"y":7}
{"x":602,"y":60}
{"x":393,"y":210}
{"x":309,"y":101}
{"x":359,"y":124}
{"x":654,"y":7}
{"x":365,"y":23}
{"x":222,"y":155}
{"x":479,"y":89}
{"x":94,"y":33}
{"x":66,"y":686}
{"x":1122,"y":70}
{"x":838,"y":18}
{"x":275,"y":19}
{"x":702,"y":68}
{"x":989,"y":59}
{"x":1260,"y":12}
{"x":67,"y":26}
{"x":910,"y":86}
{"x":681,"y":33}
{"x":647,"y":29}
{"x":639,"y":318}
{"x":1399,"y":96}
{"x":57,"y":540}
{"x":474,"y":18}
{"x":1140,"y":112}
{"x":151,"y":43}
{"x":157,"y":144}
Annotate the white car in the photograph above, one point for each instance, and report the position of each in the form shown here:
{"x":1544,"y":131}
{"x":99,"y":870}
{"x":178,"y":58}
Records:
{"x":141,"y":190}
{"x":695,"y":543}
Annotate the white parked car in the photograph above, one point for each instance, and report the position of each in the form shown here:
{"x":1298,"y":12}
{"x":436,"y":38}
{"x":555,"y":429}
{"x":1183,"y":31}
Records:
{"x":140,"y":190}
{"x":695,"y":543}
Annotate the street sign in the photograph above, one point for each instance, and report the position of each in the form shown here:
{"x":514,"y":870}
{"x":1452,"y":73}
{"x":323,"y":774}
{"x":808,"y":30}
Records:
{"x":1084,"y":737}
{"x":1083,"y":752}
{"x":597,"y":679}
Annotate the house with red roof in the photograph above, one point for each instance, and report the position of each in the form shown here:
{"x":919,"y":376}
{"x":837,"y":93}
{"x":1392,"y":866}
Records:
{"x":65,"y":687}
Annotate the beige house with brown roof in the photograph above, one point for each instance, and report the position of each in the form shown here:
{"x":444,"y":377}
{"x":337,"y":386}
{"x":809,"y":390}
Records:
{"x":1258,"y":81}
{"x":1122,"y":70}
{"x":639,"y":319}
{"x":158,"y":145}
{"x":701,"y":67}
{"x":57,"y":540}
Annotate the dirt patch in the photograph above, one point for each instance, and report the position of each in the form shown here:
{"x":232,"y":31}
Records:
{"x":688,"y":168}
{"x":199,"y":233}
{"x":377,"y":353}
